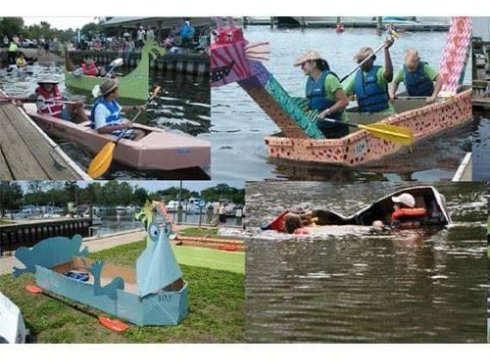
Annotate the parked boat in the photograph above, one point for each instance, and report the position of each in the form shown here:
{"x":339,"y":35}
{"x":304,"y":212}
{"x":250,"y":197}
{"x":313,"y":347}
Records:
{"x":301,"y":140}
{"x":158,"y":150}
{"x":134,"y":85}
{"x":12,"y":327}
{"x":426,"y":197}
{"x":152,"y":294}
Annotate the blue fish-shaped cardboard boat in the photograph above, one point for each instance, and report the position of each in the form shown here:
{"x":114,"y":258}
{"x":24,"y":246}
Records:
{"x":154,"y":294}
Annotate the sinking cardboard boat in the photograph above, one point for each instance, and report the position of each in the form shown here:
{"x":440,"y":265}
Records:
{"x":426,"y":197}
{"x":153,"y":294}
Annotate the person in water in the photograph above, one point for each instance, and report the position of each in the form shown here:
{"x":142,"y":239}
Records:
{"x":405,"y":214}
{"x":106,"y":116}
{"x":419,"y":78}
{"x":50,"y":102}
{"x":370,"y":83}
{"x":325,"y":94}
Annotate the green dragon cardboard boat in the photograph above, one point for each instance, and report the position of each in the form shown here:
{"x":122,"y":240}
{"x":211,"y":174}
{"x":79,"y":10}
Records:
{"x":134,"y":86}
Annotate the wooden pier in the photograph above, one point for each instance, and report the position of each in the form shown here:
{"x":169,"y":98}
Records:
{"x":30,"y":233}
{"x":465,"y":169}
{"x":182,"y":64}
{"x":27,"y":153}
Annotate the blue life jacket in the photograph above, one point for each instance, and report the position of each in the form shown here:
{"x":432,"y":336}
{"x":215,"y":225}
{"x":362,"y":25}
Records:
{"x":417,"y":83}
{"x":370,"y":96}
{"x":315,"y":92}
{"x":113,"y":108}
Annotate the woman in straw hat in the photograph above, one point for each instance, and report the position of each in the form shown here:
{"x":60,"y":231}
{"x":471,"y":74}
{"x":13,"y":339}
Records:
{"x":324,"y":93}
{"x":106,"y":113}
{"x":370,"y":82}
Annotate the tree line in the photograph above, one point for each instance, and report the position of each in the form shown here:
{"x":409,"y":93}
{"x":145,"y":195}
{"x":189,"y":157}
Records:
{"x":111,"y":193}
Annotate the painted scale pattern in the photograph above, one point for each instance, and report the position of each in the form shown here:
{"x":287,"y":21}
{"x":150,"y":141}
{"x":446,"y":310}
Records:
{"x":286,"y":111}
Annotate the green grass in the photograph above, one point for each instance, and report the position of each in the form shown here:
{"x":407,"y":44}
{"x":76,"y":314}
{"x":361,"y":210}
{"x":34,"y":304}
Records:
{"x":6,"y":222}
{"x":216,"y":307}
{"x":195,"y":231}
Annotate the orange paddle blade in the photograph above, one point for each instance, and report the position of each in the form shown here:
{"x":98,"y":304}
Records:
{"x":102,"y":161}
{"x":113,"y":324}
{"x":33,"y":289}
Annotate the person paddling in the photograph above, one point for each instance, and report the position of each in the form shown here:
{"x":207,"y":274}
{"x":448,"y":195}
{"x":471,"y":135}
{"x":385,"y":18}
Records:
{"x":419,"y":78}
{"x":49,"y":102}
{"x":106,"y":116}
{"x":324,"y":93}
{"x":370,"y":82}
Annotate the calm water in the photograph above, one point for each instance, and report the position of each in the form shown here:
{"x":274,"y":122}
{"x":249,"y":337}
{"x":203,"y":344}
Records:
{"x":481,"y":143}
{"x":239,"y":125}
{"x":413,"y":286}
{"x":183,"y":105}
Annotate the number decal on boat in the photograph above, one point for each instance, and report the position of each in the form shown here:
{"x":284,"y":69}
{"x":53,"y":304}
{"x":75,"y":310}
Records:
{"x":360,"y":148}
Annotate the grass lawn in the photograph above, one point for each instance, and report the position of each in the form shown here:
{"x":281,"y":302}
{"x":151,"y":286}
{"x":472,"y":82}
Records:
{"x":195,"y":231}
{"x":216,"y":306}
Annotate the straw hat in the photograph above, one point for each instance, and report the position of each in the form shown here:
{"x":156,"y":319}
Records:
{"x":307,"y":56}
{"x":107,"y":86}
{"x":363,"y":53}
{"x":405,"y":199}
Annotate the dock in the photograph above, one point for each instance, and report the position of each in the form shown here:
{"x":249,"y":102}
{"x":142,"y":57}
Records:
{"x":27,"y":153}
{"x":465,"y":169}
{"x":481,"y":94}
{"x":189,"y":64}
{"x":29,"y":233}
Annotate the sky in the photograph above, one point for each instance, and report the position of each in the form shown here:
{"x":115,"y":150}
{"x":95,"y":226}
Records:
{"x":60,"y":22}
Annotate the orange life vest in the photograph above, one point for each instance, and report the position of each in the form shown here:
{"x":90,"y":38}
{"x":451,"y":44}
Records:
{"x":49,"y":102}
{"x":90,"y":70}
{"x":409,"y":214}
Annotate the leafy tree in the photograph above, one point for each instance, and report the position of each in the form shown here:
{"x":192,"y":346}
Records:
{"x":10,"y":196}
{"x":140,"y":196}
{"x":11,"y":26}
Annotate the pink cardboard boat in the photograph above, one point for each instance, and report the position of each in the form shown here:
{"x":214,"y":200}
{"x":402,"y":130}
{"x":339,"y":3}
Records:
{"x":158,"y":150}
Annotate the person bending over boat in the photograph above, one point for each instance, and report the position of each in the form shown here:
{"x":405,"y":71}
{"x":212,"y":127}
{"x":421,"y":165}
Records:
{"x":419,"y":78}
{"x":325,"y":94}
{"x":89,"y":68}
{"x":406,"y":215}
{"x":106,"y":116}
{"x":370,"y":83}
{"x":49,"y":101}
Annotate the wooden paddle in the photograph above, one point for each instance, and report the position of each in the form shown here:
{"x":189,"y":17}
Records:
{"x":103,"y":159}
{"x":112,"y":324}
{"x":397,"y":134}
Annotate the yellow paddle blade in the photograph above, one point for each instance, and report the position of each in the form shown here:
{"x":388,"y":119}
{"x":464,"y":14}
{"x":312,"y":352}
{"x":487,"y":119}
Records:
{"x":101,"y":161}
{"x":397,"y":134}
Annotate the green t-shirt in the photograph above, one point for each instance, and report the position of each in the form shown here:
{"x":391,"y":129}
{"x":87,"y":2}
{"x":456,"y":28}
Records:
{"x":349,"y":87}
{"x":331,"y":85}
{"x":429,"y":72}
